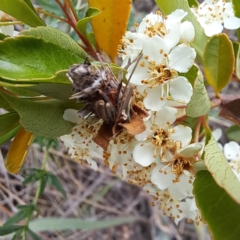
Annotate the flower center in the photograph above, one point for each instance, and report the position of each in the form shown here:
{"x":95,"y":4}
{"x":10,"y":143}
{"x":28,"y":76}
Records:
{"x":181,"y":164}
{"x":160,"y":74}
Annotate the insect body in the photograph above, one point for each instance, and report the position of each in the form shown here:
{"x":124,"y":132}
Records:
{"x":105,"y":96}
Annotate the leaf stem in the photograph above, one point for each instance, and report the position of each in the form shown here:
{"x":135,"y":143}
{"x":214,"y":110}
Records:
{"x":72,"y":21}
{"x":51,"y":15}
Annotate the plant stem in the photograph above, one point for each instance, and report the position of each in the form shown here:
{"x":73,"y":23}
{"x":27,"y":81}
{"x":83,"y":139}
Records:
{"x":40,"y":183}
{"x":72,"y":10}
{"x":38,"y":189}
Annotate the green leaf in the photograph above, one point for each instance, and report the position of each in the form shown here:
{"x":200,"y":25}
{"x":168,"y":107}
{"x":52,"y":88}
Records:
{"x":82,"y":23}
{"x":21,"y":91}
{"x":50,"y":6}
{"x":31,"y":58}
{"x":16,"y":218}
{"x":191,"y":75}
{"x":33,"y":235}
{"x":43,"y":184}
{"x":42,"y":118}
{"x":218,"y":61}
{"x":4,"y":104}
{"x":233,"y":133}
{"x":57,"y":91}
{"x":57,"y":37}
{"x":92,"y":39}
{"x":2,"y":36}
{"x":4,"y":230}
{"x":193,"y":3}
{"x":9,"y":135}
{"x":23,"y":10}
{"x":8,"y":122}
{"x":169,"y":6}
{"x":237,"y":58}
{"x":221,"y":170}
{"x":199,"y":104}
{"x":221,"y":213}
{"x":35,"y":176}
{"x":57,"y":224}
{"x":53,"y":180}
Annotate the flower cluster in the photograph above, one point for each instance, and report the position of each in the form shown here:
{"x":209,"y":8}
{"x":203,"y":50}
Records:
{"x":214,"y":14}
{"x":161,"y":158}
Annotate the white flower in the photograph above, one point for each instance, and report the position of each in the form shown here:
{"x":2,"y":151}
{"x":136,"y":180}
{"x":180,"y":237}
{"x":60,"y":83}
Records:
{"x":232,"y":153}
{"x":79,"y":143}
{"x":159,"y":137}
{"x":211,"y":14}
{"x":173,"y":207}
{"x":131,"y":47}
{"x":176,"y":167}
{"x":158,"y":72}
{"x":168,"y":28}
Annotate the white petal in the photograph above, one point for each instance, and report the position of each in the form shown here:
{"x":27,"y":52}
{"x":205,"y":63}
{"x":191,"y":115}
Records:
{"x":181,"y":58}
{"x":155,"y":48}
{"x":142,"y":136}
{"x":187,"y":31}
{"x":162,"y":178}
{"x":190,"y":150}
{"x":181,"y":189}
{"x":143,"y":154}
{"x":140,"y":73}
{"x":232,"y":22}
{"x":213,"y":28}
{"x":182,"y":134}
{"x":153,"y":99}
{"x":165,"y":117}
{"x":172,"y":37}
{"x":232,"y":151}
{"x":7,"y":30}
{"x":175,"y":17}
{"x":71,"y":115}
{"x":181,"y":90}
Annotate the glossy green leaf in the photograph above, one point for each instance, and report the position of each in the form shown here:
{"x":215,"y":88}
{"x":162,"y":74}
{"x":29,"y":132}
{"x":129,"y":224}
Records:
{"x":199,"y":104}
{"x":57,"y":37}
{"x":57,"y":91}
{"x":221,"y":170}
{"x":237,"y":58}
{"x":82,"y":23}
{"x":4,"y":104}
{"x":31,"y":58}
{"x":218,"y":209}
{"x":2,"y":36}
{"x":22,"y":10}
{"x":8,"y":122}
{"x":4,"y":230}
{"x":57,"y":224}
{"x":42,"y":118}
{"x":9,"y":135}
{"x":218,"y":61}
{"x":21,"y":91}
{"x":233,"y":133}
{"x":54,"y":181}
{"x":169,"y":6}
